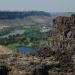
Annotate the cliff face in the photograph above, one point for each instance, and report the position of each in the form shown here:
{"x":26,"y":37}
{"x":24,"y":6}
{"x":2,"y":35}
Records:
{"x":64,"y":39}
{"x":62,"y":44}
{"x":65,"y":25}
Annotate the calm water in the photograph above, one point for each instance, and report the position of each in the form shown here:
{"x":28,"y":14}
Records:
{"x":24,"y":50}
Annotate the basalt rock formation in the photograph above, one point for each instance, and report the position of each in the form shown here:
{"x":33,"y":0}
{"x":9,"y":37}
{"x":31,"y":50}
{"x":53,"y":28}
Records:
{"x":62,"y":44}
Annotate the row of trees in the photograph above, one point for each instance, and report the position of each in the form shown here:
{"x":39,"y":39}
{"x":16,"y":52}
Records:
{"x":35,"y":39}
{"x":13,"y":15}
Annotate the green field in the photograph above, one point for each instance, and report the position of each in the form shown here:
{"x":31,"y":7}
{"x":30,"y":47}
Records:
{"x":32,"y":37}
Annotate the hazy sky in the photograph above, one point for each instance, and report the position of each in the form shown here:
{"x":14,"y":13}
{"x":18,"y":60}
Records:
{"x":43,"y":5}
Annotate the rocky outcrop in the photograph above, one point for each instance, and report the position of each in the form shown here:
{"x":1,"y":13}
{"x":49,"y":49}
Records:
{"x":65,"y":25}
{"x":62,"y":44}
